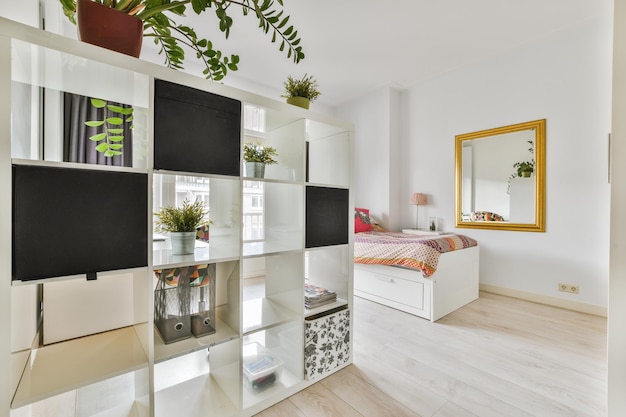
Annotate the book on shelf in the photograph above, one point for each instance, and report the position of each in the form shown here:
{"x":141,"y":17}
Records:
{"x":317,"y":304}
{"x":315,"y":296}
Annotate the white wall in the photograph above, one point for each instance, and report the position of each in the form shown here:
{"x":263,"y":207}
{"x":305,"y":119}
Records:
{"x":23,"y":11}
{"x":565,"y":79}
{"x":377,"y":148}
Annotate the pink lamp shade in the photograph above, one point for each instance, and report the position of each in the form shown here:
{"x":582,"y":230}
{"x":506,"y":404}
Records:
{"x":418,"y":199}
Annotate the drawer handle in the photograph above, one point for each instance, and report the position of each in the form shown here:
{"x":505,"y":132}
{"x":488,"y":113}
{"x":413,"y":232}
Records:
{"x":383,"y":278}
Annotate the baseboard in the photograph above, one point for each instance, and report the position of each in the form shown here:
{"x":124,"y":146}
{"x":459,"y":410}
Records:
{"x":545,"y":299}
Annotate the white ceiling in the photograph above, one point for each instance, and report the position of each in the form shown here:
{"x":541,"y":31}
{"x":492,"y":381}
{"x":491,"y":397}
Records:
{"x":355,"y":46}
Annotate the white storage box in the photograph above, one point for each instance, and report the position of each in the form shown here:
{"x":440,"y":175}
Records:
{"x":261,"y":369}
{"x":326,"y":343}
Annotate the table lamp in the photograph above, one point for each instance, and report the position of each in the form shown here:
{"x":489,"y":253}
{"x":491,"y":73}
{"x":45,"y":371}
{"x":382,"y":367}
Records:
{"x":417,"y":200}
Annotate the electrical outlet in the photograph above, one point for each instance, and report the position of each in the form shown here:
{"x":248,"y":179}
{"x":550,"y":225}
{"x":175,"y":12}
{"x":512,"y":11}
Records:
{"x":568,"y":288}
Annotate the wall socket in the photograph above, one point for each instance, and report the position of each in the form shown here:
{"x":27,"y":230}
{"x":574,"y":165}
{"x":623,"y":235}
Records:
{"x":568,"y":288}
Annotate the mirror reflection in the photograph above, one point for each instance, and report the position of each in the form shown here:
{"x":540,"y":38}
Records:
{"x":500,"y":178}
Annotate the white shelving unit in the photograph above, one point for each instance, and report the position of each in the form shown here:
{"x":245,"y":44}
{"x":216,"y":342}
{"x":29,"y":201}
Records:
{"x":130,"y":370}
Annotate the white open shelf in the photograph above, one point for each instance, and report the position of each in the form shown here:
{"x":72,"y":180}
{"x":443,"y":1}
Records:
{"x":327,"y":267}
{"x":261,"y":313}
{"x":162,"y":351}
{"x":123,"y":396}
{"x":200,"y":396}
{"x":65,"y":366}
{"x":130,"y":371}
{"x":285,"y":344}
{"x":251,"y":249}
{"x":196,"y":384}
{"x":204,"y":253}
{"x":251,"y":397}
{"x":325,"y":307}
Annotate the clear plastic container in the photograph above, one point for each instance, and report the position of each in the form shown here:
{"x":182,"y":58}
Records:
{"x":261,"y":368}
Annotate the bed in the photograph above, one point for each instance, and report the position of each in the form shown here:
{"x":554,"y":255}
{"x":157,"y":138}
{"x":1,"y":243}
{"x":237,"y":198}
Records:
{"x":425,"y":275}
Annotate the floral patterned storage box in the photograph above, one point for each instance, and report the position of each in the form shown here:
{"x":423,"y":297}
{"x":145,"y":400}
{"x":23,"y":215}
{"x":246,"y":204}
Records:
{"x":327,"y":343}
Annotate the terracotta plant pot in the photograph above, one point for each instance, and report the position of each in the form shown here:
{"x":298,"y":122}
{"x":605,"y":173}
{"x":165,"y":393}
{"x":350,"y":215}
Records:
{"x":299,"y":101}
{"x":111,"y":29}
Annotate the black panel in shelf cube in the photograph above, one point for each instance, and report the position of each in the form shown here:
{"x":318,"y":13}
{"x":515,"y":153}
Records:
{"x":196,"y":131}
{"x":326,"y":216}
{"x":70,"y":221}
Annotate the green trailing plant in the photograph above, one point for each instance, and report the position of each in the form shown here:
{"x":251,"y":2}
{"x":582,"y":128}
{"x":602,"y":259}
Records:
{"x":181,"y":219}
{"x":527,"y":166}
{"x":256,"y":152}
{"x":305,"y":87}
{"x":174,"y":38}
{"x":522,"y":167}
{"x":110,"y":137}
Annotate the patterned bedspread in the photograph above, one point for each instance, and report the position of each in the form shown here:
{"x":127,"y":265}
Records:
{"x":407,"y":250}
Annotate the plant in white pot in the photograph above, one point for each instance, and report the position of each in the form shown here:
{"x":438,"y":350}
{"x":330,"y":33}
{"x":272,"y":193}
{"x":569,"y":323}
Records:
{"x":181,"y":223}
{"x":301,"y":92}
{"x":256,"y":156}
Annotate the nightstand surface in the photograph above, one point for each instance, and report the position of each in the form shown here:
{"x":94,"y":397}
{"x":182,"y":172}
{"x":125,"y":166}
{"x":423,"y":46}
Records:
{"x":424,"y":232}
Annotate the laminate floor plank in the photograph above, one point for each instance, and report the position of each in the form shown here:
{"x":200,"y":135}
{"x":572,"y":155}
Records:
{"x":284,"y":408}
{"x":364,"y":397}
{"x":495,"y":357}
{"x":319,"y":401}
{"x":451,"y":410}
{"x":399,"y":387}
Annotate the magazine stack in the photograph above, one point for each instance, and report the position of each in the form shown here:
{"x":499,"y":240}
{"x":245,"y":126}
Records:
{"x":315,"y":296}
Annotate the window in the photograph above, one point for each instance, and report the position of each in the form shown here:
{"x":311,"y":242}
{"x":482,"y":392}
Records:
{"x":172,"y":190}
{"x":253,"y":221}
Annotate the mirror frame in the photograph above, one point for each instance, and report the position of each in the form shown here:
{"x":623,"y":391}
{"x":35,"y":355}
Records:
{"x":540,"y":177}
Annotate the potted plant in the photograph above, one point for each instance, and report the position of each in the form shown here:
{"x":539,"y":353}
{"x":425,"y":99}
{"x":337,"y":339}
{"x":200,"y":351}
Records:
{"x":524,"y":169}
{"x":154,"y":19}
{"x":181,"y":223}
{"x":301,"y":92}
{"x":256,"y":156}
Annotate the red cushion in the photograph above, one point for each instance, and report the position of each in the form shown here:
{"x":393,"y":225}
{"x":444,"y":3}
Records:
{"x":362,"y":221}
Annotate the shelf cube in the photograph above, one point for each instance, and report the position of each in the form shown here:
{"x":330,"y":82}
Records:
{"x":184,"y":302}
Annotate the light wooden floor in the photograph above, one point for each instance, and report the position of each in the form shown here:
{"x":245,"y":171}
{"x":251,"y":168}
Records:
{"x":497,"y":357}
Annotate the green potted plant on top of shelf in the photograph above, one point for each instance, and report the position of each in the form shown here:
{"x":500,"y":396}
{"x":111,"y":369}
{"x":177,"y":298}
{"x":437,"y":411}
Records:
{"x":301,"y":92}
{"x":181,"y":223}
{"x":256,"y":156}
{"x":110,"y":23}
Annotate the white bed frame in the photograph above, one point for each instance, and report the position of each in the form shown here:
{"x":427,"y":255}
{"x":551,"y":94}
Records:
{"x":453,"y":285}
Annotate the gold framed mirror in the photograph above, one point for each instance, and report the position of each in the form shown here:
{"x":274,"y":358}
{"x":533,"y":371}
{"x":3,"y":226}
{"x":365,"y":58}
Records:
{"x":500,"y":178}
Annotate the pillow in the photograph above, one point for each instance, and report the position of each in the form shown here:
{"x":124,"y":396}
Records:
{"x":486,"y":216}
{"x":362,"y":222}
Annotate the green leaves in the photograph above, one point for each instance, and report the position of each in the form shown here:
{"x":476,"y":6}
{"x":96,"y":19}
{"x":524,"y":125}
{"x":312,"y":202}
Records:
{"x":306,"y":87}
{"x":111,"y":136}
{"x":184,"y":219}
{"x":257,"y":152}
{"x":270,"y":18}
{"x":173,"y":39}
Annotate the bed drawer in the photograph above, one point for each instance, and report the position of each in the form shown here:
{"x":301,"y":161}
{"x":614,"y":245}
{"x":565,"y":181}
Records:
{"x":398,"y":290}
